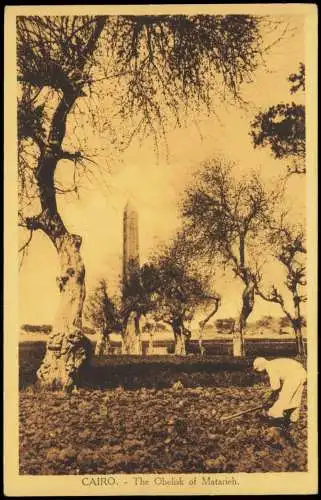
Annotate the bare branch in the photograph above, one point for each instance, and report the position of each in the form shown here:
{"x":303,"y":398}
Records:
{"x":217,"y":302}
{"x":27,"y":242}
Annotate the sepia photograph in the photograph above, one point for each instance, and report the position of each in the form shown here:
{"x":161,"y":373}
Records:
{"x":160,"y":249}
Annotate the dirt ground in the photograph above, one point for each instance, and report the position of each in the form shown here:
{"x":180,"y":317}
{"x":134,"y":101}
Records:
{"x":153,"y":431}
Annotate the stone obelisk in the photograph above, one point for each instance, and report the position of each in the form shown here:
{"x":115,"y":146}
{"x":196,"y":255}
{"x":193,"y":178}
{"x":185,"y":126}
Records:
{"x":131,"y":334}
{"x":130,"y":242}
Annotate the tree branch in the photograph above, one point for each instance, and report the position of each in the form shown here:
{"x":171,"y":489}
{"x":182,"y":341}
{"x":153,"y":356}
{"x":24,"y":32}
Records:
{"x":66,"y":155}
{"x":274,"y":297}
{"x":27,"y":242}
{"x":212,"y":313}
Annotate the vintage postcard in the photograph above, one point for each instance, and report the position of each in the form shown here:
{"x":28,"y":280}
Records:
{"x":160,"y":303}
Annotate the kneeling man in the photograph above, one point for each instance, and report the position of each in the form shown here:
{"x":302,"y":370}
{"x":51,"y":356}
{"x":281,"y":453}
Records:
{"x":287,"y":379}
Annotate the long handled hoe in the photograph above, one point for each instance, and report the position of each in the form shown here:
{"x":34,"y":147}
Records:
{"x":240,"y":413}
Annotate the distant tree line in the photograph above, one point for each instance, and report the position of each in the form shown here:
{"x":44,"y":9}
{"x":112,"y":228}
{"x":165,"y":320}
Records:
{"x":36,"y":328}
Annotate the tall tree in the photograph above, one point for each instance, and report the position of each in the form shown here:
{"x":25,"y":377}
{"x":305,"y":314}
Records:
{"x":151,"y":68}
{"x":282,"y":127}
{"x":226,"y":219}
{"x":288,"y":243}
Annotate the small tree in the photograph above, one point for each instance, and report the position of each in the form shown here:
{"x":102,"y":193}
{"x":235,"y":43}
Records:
{"x":282,"y":127}
{"x":224,"y":219}
{"x":135,"y":303}
{"x":289,"y":248}
{"x":120,"y":314}
{"x":177,"y":291}
{"x":102,"y":312}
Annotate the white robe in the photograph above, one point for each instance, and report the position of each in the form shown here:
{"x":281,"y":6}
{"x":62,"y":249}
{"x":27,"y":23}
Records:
{"x":291,"y":376}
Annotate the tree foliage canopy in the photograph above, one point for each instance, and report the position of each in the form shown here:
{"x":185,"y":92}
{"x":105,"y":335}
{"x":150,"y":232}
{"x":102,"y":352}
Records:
{"x":224,"y":216}
{"x":282,"y":126}
{"x":175,"y":289}
{"x":289,"y":248}
{"x":298,"y":79}
{"x":102,"y":310}
{"x":150,"y":68}
{"x":177,"y":295}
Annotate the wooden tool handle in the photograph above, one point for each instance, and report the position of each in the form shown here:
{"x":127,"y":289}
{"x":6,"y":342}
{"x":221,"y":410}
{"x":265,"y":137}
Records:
{"x":240,"y":413}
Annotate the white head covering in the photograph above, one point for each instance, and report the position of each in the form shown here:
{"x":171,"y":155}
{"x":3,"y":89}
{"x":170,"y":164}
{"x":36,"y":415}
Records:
{"x":260,"y":364}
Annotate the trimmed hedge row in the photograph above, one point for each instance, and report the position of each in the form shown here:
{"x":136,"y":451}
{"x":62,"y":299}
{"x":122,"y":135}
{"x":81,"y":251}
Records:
{"x":150,"y":371}
{"x":163,"y":373}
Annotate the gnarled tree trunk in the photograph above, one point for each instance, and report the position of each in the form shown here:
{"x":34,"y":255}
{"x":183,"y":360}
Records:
{"x":150,"y":348}
{"x":217,"y":302}
{"x":132,"y":343}
{"x":180,"y":335}
{"x":103,"y":346}
{"x":299,"y":340}
{"x":180,"y":346}
{"x":67,"y":347}
{"x":240,"y":324}
{"x":297,"y":325}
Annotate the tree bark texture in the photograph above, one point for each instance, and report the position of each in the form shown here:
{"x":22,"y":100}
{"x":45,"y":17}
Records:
{"x":67,"y":347}
{"x":299,"y":341}
{"x":180,"y":344}
{"x":132,"y":343}
{"x":239,"y":327}
{"x":150,"y":348}
{"x":180,"y":347}
{"x":103,"y":346}
{"x":297,"y":326}
{"x":217,"y":301}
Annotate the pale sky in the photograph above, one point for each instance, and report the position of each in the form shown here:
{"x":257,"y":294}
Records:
{"x":155,"y":186}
